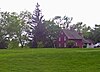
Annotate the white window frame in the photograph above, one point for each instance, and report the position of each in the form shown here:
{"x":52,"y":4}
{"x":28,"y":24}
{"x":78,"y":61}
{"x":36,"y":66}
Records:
{"x":76,"y":43}
{"x":64,"y":38}
{"x":59,"y":38}
{"x":65,"y":44}
{"x":59,"y":44}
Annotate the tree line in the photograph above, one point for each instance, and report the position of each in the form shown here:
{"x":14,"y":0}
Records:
{"x":28,"y":29}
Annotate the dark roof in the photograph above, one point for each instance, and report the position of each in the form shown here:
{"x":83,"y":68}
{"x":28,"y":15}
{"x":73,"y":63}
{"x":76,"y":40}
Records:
{"x":87,"y":41}
{"x":72,"y":34}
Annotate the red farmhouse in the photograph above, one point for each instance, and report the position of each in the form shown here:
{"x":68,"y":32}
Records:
{"x":66,"y":35}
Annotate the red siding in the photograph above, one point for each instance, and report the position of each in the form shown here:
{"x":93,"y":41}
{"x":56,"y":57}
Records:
{"x":61,"y":35}
{"x":79,"y":42}
{"x":61,"y":42}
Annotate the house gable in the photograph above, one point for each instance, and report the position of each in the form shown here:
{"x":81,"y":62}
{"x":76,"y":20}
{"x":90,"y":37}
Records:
{"x":61,"y":40}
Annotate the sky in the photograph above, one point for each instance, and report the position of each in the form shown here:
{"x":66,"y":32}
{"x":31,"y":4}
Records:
{"x":86,"y":11}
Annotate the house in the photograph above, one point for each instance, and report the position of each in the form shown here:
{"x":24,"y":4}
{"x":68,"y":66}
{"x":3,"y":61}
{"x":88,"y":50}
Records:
{"x":88,"y":43}
{"x":66,"y":35}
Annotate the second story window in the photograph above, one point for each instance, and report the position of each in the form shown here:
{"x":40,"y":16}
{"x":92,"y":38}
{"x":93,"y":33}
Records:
{"x":59,"y":38}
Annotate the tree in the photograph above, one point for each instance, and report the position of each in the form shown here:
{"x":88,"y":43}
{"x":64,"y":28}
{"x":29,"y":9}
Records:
{"x":95,"y":33}
{"x":39,"y":31}
{"x":82,"y":28}
{"x":3,"y":31}
{"x":26,"y":29}
{"x":52,"y":32}
{"x":63,"y":22}
{"x":13,"y":27}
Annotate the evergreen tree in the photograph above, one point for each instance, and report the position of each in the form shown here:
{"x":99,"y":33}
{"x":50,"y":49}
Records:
{"x":39,"y":31}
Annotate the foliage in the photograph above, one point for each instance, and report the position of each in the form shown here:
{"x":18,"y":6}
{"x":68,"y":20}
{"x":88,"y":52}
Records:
{"x":71,"y":44}
{"x":52,"y":32}
{"x":63,"y":22}
{"x":3,"y":31}
{"x":95,"y":34}
{"x":13,"y":44}
{"x":12,"y":26}
{"x":34,"y":31}
{"x":40,"y":45}
{"x":39,"y":31}
{"x":3,"y":44}
{"x":82,"y":28}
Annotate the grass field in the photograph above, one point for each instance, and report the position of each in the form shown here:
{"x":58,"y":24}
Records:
{"x":50,"y":60}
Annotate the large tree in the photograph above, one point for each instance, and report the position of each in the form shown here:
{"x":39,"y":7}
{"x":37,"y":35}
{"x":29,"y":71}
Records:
{"x":95,"y":33}
{"x":63,"y":22}
{"x":83,"y":29}
{"x":13,"y":27}
{"x":52,"y":32}
{"x":39,"y":31}
{"x":3,"y":31}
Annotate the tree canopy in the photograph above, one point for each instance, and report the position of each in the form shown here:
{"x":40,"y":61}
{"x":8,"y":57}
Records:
{"x":31,"y":29}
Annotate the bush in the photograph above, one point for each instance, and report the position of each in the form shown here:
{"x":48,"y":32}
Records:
{"x":71,"y":44}
{"x":13,"y":44}
{"x":3,"y":45}
{"x":40,"y":44}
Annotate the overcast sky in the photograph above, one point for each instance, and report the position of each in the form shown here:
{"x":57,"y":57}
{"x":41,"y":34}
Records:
{"x":86,"y":11}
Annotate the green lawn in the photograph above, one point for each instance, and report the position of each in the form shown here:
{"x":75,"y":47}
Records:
{"x":50,"y":60}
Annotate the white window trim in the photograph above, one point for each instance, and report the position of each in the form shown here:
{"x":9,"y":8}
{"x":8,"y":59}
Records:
{"x":59,"y":44}
{"x":65,"y":44}
{"x":64,"y":38}
{"x":59,"y":38}
{"x":76,"y":44}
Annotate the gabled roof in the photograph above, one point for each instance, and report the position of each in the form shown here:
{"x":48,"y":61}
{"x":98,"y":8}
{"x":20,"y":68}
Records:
{"x":72,"y":34}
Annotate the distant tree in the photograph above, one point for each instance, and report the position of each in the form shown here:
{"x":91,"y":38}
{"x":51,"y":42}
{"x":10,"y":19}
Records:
{"x":78,"y":26}
{"x":3,"y":31}
{"x":13,"y":27}
{"x":25,"y":17}
{"x":82,"y":28}
{"x":63,"y":22}
{"x":52,"y":32}
{"x":39,"y":31}
{"x":95,"y":33}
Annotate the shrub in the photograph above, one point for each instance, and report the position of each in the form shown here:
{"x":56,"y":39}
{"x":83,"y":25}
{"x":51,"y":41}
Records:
{"x":13,"y":44}
{"x":71,"y":44}
{"x":40,"y":44}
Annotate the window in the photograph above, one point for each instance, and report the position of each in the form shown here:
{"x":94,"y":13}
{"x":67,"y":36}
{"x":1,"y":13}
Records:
{"x":59,"y":45}
{"x":59,"y":38}
{"x":62,"y":33}
{"x":76,"y":43}
{"x":65,"y":38}
{"x":64,"y":44}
